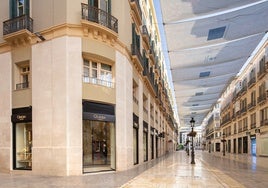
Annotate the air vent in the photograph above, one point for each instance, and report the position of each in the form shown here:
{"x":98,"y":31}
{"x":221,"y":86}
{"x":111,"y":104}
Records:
{"x":216,"y":33}
{"x":195,"y":104}
{"x":204,"y":74}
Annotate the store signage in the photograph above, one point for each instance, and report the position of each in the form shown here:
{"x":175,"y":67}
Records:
{"x":16,"y":118}
{"x":98,"y":117}
{"x":21,"y":117}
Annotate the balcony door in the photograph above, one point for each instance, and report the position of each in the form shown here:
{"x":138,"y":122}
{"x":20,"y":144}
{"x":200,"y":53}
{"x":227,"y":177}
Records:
{"x":104,"y":5}
{"x":19,"y":8}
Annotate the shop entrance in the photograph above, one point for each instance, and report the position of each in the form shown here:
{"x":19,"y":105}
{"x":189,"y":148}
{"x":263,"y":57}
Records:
{"x":253,"y":146}
{"x":22,"y":138}
{"x":98,"y":146}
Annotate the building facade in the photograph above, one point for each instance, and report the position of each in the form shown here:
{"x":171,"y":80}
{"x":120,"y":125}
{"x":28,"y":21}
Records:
{"x":244,"y":109}
{"x":83,"y":87}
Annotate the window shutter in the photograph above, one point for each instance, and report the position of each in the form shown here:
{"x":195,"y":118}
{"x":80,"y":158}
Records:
{"x":91,"y":2}
{"x":133,"y":34}
{"x":109,"y":6}
{"x":12,"y":9}
{"x":27,"y":7}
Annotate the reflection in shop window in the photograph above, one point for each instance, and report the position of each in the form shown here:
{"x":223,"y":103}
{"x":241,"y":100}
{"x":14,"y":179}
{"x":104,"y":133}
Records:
{"x":23,"y":146}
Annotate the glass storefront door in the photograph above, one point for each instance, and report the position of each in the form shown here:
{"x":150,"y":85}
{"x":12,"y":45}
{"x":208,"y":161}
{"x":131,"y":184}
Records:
{"x":98,"y":146}
{"x":253,"y":146}
{"x":22,"y":142}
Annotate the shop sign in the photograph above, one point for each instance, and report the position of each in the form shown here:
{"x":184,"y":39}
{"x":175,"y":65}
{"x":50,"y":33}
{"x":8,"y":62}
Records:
{"x":15,"y":118}
{"x":98,"y":117}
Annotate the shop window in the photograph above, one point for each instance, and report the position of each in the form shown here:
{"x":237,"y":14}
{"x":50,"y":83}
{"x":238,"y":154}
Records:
{"x":98,"y":146}
{"x":135,"y":145}
{"x":135,"y":139}
{"x":23,"y":146}
{"x":22,"y":76}
{"x":145,"y":141}
{"x":152,"y":143}
{"x":98,"y":137}
{"x":97,"y":73}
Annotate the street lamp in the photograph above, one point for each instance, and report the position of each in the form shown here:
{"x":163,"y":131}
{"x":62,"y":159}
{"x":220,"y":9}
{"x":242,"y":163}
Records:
{"x":223,"y":141}
{"x":192,"y":135}
{"x":209,"y":146}
{"x":187,"y":145}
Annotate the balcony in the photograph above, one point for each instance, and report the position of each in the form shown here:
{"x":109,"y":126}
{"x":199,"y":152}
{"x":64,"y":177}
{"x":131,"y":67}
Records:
{"x":149,"y":77}
{"x":23,"y":85}
{"x":137,"y":13}
{"x":252,"y":105}
{"x":243,"y":90}
{"x":18,"y":30}
{"x":253,"y":125}
{"x":251,"y":82}
{"x":99,"y":21}
{"x":136,"y":57}
{"x":97,"y":81}
{"x":243,"y":110}
{"x":262,"y":98}
{"x":261,"y":73}
{"x":145,"y":36}
{"x":264,"y":122}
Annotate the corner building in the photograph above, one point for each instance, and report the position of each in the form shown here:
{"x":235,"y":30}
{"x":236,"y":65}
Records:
{"x":83,"y":87}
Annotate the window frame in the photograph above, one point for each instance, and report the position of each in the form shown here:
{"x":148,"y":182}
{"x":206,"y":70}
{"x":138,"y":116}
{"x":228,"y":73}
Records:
{"x":100,"y":78}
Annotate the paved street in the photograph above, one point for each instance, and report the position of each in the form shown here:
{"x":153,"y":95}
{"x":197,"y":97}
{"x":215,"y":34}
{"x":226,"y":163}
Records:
{"x":174,"y":170}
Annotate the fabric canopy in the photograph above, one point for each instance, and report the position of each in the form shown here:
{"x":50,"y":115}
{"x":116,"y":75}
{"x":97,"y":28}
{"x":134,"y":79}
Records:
{"x":208,"y":42}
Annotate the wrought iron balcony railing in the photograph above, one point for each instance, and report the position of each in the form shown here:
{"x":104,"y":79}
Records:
{"x":99,"y":16}
{"x":23,"y":85}
{"x":17,"y":24}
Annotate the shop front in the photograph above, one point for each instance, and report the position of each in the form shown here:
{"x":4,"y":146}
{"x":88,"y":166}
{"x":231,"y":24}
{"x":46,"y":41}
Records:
{"x":22,"y":138}
{"x":98,"y":137}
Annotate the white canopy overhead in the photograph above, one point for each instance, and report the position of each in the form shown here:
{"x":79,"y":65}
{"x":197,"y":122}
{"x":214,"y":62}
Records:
{"x":208,"y":42}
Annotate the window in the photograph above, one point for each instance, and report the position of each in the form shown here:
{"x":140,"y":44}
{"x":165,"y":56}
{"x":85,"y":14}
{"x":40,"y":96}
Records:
{"x":263,"y":116}
{"x":22,"y":80}
{"x":252,"y":74}
{"x":19,"y":8}
{"x":253,"y":97}
{"x":101,"y":4}
{"x":253,"y":120}
{"x":97,"y":73}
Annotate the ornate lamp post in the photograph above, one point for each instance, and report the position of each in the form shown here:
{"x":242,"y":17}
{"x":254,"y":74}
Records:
{"x":187,"y":145}
{"x":192,"y":134}
{"x":209,"y":146}
{"x":223,"y":141}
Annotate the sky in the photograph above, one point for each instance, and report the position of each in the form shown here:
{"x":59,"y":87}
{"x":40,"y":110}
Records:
{"x":157,"y":5}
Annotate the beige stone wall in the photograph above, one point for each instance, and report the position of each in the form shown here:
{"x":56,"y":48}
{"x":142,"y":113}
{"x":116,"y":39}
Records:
{"x":5,"y":112}
{"x":21,"y":98}
{"x":124,"y":117}
{"x":48,"y":13}
{"x":57,"y":104}
{"x":4,"y":15}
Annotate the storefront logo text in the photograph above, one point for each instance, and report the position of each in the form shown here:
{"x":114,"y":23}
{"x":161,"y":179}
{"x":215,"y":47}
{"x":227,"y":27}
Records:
{"x":99,"y":117}
{"x":21,"y":117}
